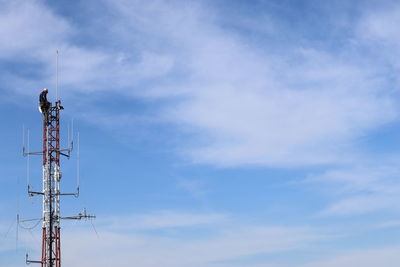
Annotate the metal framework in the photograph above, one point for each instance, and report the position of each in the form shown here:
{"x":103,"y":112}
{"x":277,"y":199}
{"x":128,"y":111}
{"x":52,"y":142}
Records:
{"x":51,"y":152}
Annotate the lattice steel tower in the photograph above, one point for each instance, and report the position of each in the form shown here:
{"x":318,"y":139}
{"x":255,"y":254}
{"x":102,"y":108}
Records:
{"x":51,"y":152}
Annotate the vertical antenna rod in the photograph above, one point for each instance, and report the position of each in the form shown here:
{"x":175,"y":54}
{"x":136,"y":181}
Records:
{"x":57,"y":76}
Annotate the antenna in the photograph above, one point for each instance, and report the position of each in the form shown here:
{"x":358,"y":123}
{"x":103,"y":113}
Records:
{"x":28,"y":162}
{"x":78,"y":158}
{"x":16,"y":234}
{"x":57,"y":76}
{"x":23,"y":138}
{"x":72,"y":133}
{"x":70,"y":136}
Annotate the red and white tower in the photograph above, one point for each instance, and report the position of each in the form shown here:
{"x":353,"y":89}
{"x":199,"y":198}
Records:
{"x":51,"y":251}
{"x":51,"y":152}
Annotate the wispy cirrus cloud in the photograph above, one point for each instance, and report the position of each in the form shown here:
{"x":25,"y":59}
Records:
{"x":163,"y":220}
{"x":162,"y":238}
{"x":388,"y":256}
{"x":241,"y":104}
{"x":361,"y":189}
{"x":220,"y":241}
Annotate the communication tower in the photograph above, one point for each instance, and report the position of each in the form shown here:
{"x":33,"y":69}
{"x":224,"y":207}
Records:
{"x":51,"y":177}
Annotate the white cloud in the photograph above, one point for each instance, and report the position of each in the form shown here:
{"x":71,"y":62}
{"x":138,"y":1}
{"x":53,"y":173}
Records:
{"x":388,"y":224}
{"x":30,"y":35}
{"x":311,"y":115}
{"x":194,"y":187}
{"x":377,"y":30}
{"x":167,"y":238}
{"x":227,"y":242}
{"x":28,"y":29}
{"x":388,"y":257}
{"x":379,"y":25}
{"x":362,"y":204}
{"x":163,"y":219}
{"x":362,"y":189}
{"x":245,"y":107}
{"x":238,"y":103}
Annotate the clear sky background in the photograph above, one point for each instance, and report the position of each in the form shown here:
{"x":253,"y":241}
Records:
{"x":213,"y":133}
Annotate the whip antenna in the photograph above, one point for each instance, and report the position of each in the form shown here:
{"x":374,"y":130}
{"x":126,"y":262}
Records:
{"x":57,"y":98}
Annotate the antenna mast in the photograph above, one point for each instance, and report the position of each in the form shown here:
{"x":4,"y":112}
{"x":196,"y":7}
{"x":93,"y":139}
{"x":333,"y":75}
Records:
{"x":57,"y":76}
{"x":51,"y":176}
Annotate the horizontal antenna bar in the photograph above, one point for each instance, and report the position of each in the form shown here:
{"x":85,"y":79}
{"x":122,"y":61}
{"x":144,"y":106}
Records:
{"x":32,"y":193}
{"x":65,"y":155}
{"x":31,"y":220}
{"x":67,"y":194}
{"x":80,"y":216}
{"x":33,"y":153}
{"x":30,"y":261}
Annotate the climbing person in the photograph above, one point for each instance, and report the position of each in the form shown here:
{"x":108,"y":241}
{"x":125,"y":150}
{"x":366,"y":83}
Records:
{"x":44,"y":105}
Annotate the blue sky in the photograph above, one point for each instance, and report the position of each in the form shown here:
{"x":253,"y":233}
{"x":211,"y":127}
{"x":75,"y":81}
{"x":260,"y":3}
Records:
{"x":213,"y":133}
